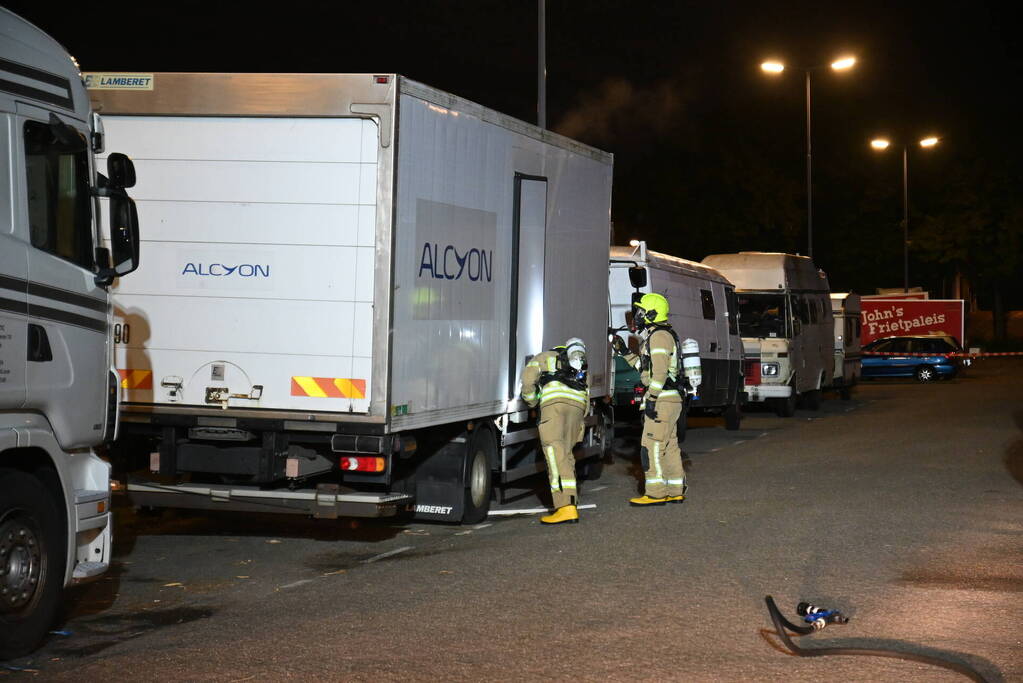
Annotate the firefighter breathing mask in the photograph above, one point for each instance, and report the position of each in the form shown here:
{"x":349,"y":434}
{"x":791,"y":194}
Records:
{"x":652,"y":309}
{"x":575,"y":350}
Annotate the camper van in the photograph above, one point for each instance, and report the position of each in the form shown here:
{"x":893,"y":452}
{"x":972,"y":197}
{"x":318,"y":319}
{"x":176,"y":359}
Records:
{"x":702,"y":307}
{"x":786,"y":325}
{"x":845,"y":308}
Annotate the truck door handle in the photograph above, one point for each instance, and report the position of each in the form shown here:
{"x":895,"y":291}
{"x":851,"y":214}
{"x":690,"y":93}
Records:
{"x":38,"y":344}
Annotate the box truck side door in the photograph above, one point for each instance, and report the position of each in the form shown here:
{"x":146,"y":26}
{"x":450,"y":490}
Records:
{"x":67,"y":310}
{"x":529,"y":238}
{"x":13,"y":282}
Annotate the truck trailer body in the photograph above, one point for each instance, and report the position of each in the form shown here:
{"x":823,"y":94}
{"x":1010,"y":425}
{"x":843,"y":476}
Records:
{"x":702,"y":306}
{"x":58,"y":396}
{"x":786,"y":325}
{"x":348,"y":274}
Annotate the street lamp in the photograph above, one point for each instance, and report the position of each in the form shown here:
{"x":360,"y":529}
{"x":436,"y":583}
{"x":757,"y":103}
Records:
{"x":880,"y":145}
{"x":775,"y":67}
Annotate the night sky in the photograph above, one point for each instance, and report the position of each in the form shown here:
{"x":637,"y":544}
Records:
{"x":709,"y":152}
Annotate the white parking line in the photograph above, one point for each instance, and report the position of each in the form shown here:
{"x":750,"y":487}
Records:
{"x":536,"y":511}
{"x":389,"y":553}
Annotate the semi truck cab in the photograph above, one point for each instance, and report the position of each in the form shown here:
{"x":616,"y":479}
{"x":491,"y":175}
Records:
{"x":58,"y":394}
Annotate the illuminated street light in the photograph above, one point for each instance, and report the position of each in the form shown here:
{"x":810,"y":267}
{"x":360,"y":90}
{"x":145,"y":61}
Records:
{"x":881,"y":144}
{"x":774,"y":68}
{"x":843,"y":63}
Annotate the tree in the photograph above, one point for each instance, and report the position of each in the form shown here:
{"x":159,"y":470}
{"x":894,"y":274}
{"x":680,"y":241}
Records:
{"x":978,"y":230}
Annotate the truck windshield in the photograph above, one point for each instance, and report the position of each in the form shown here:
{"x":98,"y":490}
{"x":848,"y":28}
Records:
{"x":59,"y":212}
{"x":762,"y":315}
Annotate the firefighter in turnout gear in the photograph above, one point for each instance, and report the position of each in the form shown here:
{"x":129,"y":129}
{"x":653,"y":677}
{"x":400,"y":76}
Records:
{"x":557,"y":381}
{"x":661,"y":370}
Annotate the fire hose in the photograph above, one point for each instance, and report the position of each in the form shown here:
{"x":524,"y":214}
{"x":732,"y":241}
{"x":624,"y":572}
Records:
{"x":817,"y":618}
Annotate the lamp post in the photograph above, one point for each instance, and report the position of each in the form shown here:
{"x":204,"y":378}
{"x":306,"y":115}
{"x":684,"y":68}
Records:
{"x":773,"y":68}
{"x":881,"y":144}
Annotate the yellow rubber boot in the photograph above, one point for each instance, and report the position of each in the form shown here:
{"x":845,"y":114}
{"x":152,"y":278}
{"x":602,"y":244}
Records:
{"x":565,"y":514}
{"x":647,"y":500}
{"x":675,"y":499}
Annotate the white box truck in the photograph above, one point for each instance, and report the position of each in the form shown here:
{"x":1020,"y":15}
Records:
{"x":702,"y":306}
{"x":58,"y":392}
{"x":846,"y":308}
{"x":786,"y":326}
{"x":347,"y":273}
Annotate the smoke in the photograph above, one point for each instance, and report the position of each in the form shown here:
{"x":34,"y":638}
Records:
{"x":618,"y":108}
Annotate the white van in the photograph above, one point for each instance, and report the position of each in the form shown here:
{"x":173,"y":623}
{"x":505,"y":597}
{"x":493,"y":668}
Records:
{"x":702,"y":306}
{"x":786,"y":325}
{"x":845,"y":308}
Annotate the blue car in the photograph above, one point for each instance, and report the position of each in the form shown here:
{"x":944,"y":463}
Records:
{"x":924,"y":357}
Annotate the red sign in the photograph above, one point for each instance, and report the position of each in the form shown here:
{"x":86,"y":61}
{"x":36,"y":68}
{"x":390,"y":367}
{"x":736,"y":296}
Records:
{"x":902,"y":317}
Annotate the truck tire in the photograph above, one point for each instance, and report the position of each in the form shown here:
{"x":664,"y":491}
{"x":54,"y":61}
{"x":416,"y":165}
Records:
{"x":606,"y":425}
{"x":478,"y":482}
{"x":812,"y":399}
{"x":786,"y":407}
{"x":733,"y":417}
{"x":32,"y":555}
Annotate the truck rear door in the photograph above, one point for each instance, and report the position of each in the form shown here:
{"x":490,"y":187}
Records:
{"x":259,"y":252}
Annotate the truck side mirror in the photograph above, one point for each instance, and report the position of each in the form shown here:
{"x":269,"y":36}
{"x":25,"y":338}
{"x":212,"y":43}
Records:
{"x":637,"y":276}
{"x":124,"y":233}
{"x":124,"y":239}
{"x":120,"y":170}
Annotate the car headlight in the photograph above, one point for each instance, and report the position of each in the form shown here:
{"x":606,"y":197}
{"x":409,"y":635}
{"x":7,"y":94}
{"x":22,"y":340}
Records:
{"x":769,"y":369}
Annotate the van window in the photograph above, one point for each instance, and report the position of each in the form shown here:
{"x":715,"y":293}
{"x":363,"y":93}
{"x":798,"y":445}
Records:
{"x":762,"y":315}
{"x":733,"y":311}
{"x":708,"y":303}
{"x":802,"y":309}
{"x":59,"y":197}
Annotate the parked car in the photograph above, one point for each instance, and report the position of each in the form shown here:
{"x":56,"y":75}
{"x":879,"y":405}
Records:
{"x":936,"y":363}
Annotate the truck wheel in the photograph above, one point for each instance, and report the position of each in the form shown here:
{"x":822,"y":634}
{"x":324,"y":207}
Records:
{"x":478,"y":476}
{"x":733,"y":417}
{"x":32,"y":555}
{"x":606,"y":427}
{"x":786,"y":407}
{"x":812,"y":399}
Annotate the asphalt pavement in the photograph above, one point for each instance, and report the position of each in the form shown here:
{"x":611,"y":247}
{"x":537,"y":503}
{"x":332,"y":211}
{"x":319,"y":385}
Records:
{"x":902,"y":507}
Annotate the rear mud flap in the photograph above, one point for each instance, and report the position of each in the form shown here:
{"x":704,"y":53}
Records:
{"x":440,"y":484}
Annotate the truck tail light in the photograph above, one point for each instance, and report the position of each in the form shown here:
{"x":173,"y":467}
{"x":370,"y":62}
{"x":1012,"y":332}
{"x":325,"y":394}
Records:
{"x":352,"y":463}
{"x":751,"y":370}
